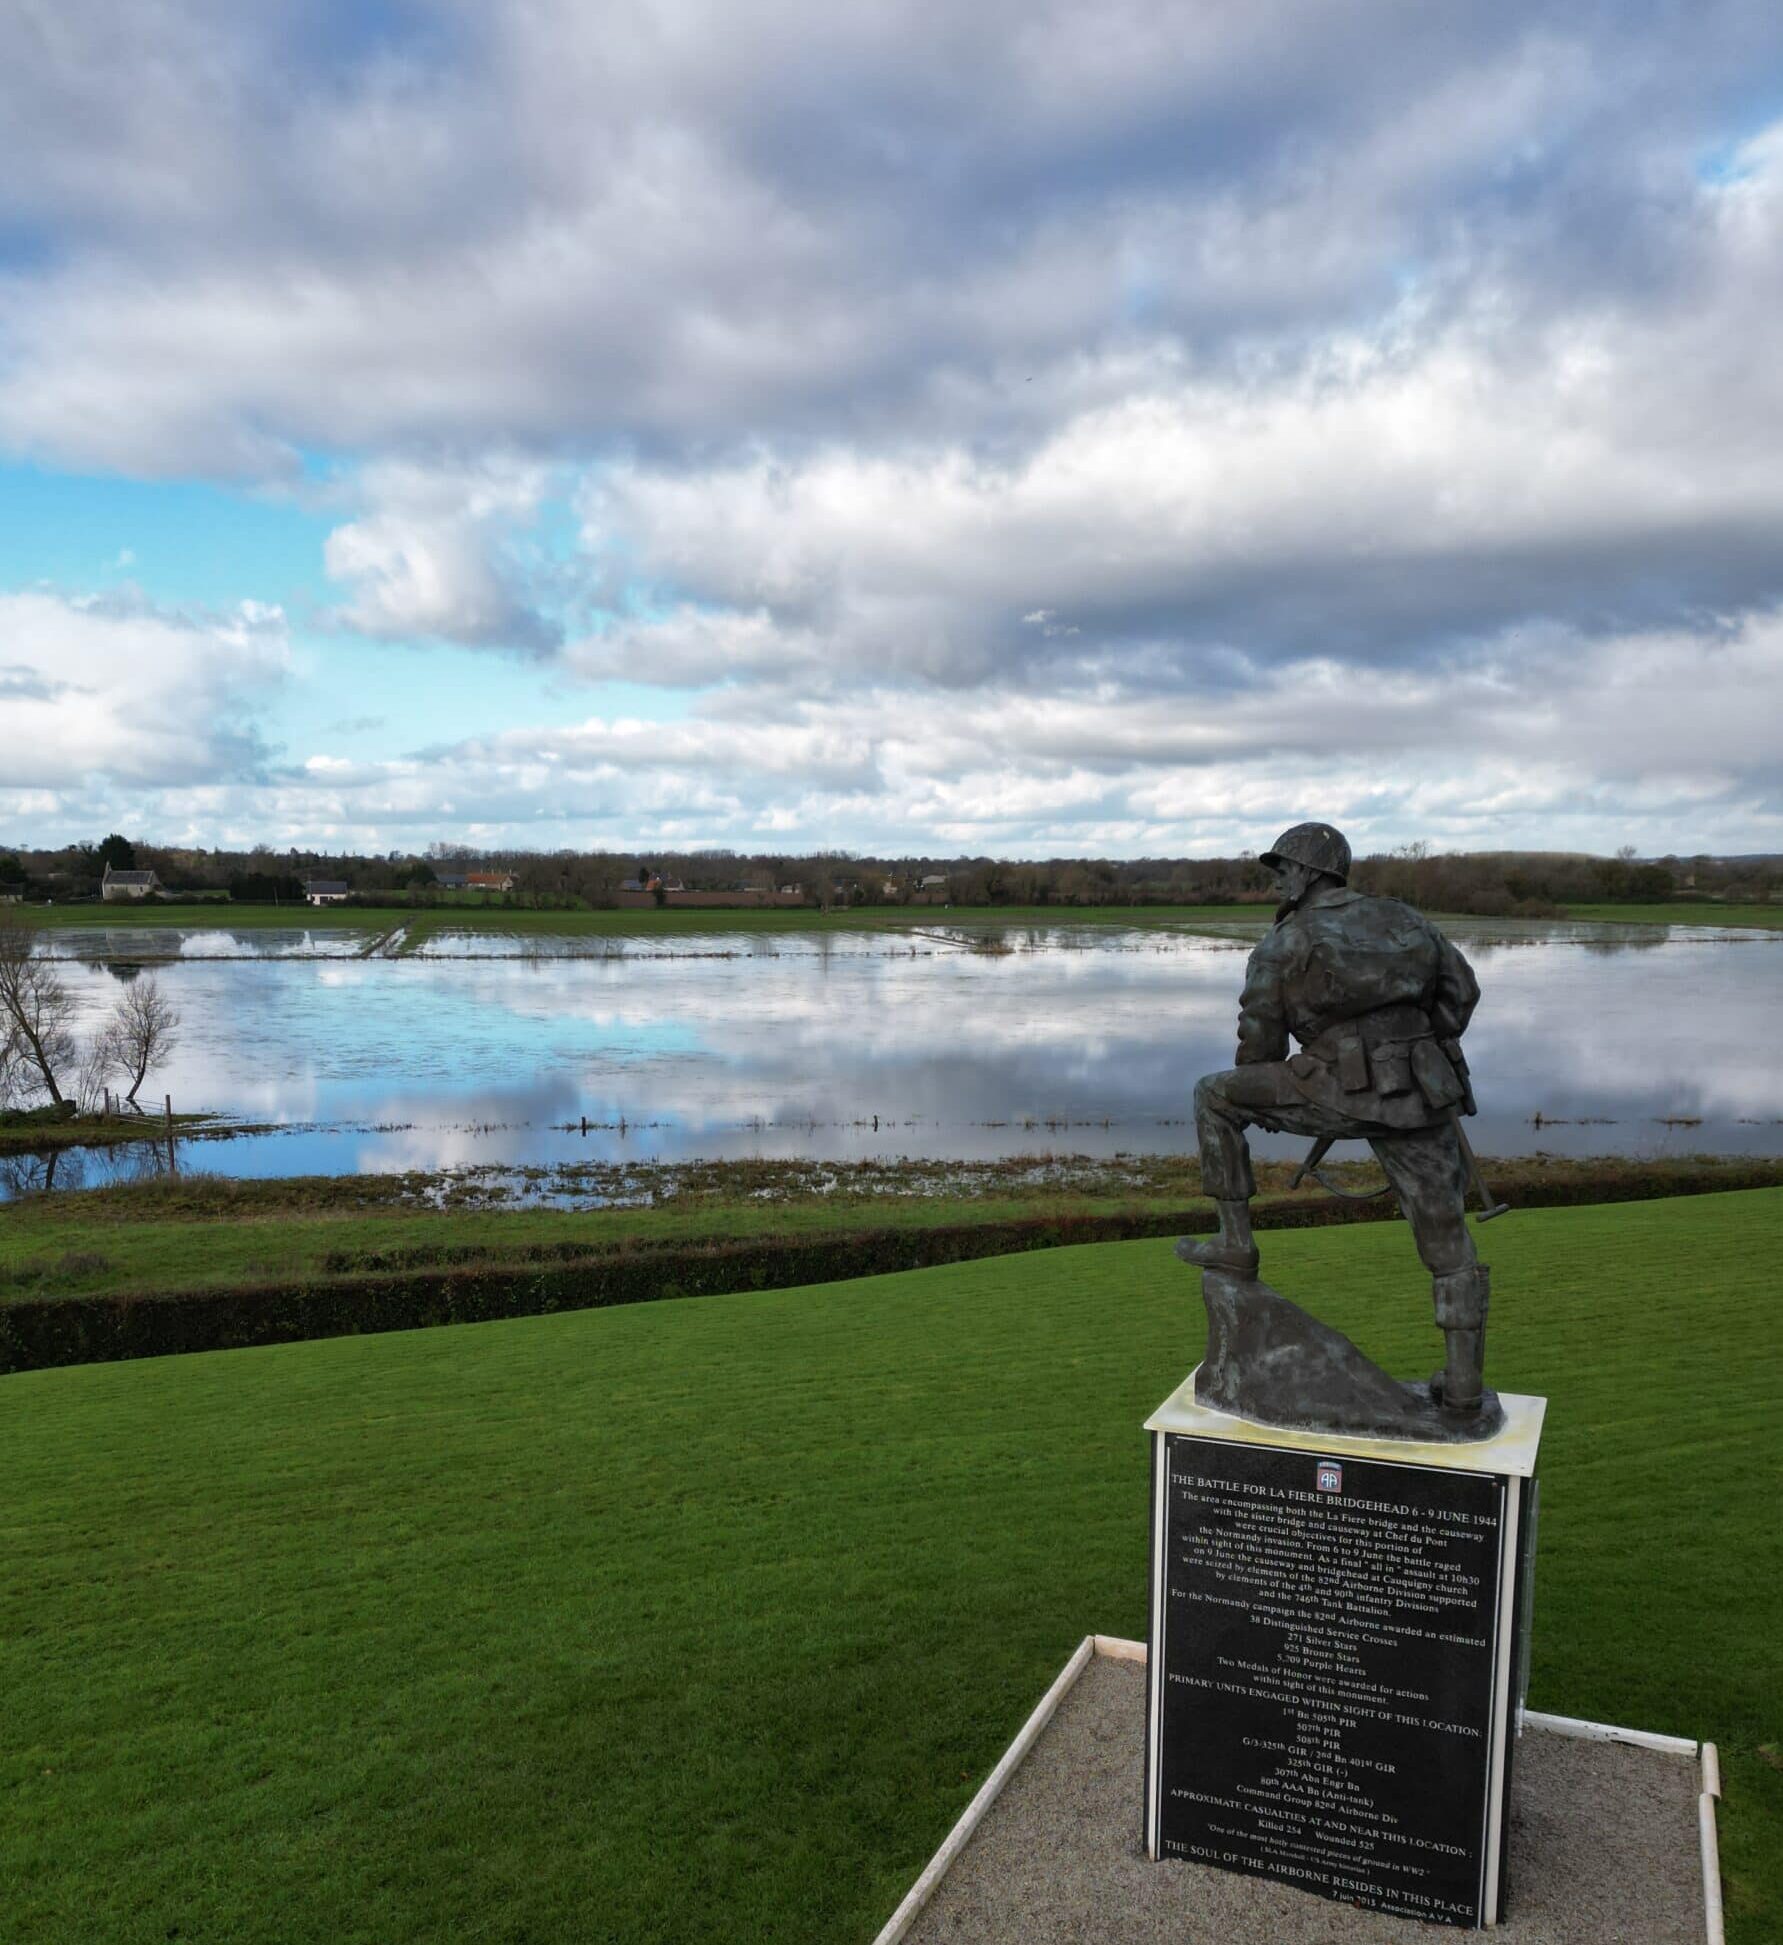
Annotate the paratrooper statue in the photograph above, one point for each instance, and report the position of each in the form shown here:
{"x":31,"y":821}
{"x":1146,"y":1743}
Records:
{"x":1378,"y":1001}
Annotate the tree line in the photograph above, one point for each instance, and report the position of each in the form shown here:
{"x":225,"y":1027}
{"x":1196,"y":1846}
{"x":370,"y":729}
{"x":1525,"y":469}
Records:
{"x":1491,"y":884}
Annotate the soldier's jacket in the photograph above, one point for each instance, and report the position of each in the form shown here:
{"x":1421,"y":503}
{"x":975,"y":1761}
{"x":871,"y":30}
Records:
{"x":1372,"y":991}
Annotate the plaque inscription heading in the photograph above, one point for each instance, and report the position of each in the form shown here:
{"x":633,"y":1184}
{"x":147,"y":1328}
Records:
{"x":1329,"y":1685}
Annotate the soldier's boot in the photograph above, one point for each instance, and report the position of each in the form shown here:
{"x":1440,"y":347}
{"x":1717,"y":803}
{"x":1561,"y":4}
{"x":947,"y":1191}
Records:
{"x":1461,"y":1299}
{"x":1232,"y":1250}
{"x":1461,"y":1384}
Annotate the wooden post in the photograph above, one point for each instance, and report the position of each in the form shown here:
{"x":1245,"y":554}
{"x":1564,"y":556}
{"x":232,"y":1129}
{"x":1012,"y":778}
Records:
{"x":173,"y":1166}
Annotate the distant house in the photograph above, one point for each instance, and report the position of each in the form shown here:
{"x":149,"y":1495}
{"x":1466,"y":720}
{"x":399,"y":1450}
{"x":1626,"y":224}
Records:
{"x":935,"y":881}
{"x":891,"y":888}
{"x":129,"y":884}
{"x":489,"y":881}
{"x":326,"y":891}
{"x":451,"y":880}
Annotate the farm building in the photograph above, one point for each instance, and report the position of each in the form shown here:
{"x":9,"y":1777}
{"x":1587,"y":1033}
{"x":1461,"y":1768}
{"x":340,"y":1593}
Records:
{"x":129,"y":884}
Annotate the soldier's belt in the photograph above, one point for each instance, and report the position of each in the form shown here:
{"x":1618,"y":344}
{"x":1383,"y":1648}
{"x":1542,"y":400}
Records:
{"x":1392,"y":1051}
{"x":1387,"y":1027}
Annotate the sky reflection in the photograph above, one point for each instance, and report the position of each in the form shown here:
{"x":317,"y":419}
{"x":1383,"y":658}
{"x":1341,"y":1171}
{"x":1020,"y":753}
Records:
{"x":1074,"y":1039}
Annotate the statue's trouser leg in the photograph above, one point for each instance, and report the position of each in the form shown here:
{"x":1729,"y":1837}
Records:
{"x":1220,"y":1123}
{"x":1429,"y":1174}
{"x":1263,"y":1095}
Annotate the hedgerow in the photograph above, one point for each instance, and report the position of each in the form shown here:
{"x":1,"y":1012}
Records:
{"x":414,"y":1289}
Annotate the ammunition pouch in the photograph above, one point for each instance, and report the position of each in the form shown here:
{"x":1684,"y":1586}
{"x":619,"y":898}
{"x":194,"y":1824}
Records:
{"x":1435,"y":1074}
{"x":1461,"y":1298}
{"x":1394,"y":1051}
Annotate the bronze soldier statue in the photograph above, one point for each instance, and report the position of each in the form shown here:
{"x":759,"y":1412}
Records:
{"x":1378,"y":1000}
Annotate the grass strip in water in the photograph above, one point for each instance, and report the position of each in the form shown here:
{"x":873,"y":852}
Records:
{"x":1767,"y":917}
{"x":669,"y":921}
{"x":38,"y":1131}
{"x":701,"y":1622}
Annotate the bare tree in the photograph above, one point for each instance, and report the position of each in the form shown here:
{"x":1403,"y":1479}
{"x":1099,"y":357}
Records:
{"x":15,"y":1075}
{"x":142,"y":1033}
{"x":36,"y":1009}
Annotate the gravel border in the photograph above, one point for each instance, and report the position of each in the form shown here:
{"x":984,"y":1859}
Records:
{"x":1603,"y":1842}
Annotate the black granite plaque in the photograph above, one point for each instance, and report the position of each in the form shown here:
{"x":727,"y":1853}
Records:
{"x":1331,"y":1673}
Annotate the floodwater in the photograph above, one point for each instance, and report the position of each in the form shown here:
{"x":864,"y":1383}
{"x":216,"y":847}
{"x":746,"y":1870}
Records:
{"x":952,"y":1043}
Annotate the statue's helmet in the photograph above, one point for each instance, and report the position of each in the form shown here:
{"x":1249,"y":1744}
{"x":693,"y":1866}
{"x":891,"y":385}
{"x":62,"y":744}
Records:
{"x":1316,"y":846}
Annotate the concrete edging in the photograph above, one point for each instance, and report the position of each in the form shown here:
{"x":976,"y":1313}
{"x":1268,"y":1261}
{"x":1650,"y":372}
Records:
{"x":973,"y":1815}
{"x":1115,"y":1648}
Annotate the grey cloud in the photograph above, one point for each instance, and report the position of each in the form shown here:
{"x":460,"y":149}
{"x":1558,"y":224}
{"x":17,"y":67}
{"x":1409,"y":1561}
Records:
{"x":1416,"y":500}
{"x":1663,"y":741}
{"x":20,"y":682}
{"x":1367,"y":372}
{"x":559,"y":228}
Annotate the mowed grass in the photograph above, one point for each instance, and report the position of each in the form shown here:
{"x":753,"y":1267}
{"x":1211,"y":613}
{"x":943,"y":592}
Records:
{"x":702,"y":1620}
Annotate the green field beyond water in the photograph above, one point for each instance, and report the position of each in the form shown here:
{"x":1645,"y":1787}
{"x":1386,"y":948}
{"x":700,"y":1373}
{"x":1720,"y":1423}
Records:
{"x":421,"y":922}
{"x":702,"y":1620}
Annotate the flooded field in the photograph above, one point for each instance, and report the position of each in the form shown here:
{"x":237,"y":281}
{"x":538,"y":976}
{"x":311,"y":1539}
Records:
{"x":358,"y":1054}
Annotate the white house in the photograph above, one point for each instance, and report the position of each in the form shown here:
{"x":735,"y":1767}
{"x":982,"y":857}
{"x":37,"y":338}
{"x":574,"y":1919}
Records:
{"x":326,"y":891}
{"x":129,"y":884}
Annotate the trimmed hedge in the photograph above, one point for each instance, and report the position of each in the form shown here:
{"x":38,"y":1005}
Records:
{"x":37,"y":1333}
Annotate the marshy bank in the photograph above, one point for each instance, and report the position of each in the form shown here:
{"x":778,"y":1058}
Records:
{"x":201,"y":1264}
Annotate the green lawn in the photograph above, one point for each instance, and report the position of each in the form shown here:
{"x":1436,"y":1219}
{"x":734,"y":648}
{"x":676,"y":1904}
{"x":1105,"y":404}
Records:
{"x":702,"y":1620}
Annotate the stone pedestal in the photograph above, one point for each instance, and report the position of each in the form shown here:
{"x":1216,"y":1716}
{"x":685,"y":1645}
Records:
{"x":1339,"y":1634}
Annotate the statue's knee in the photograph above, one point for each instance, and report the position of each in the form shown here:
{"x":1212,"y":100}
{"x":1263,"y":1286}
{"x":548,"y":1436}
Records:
{"x":1446,"y":1247}
{"x":1210,"y":1099}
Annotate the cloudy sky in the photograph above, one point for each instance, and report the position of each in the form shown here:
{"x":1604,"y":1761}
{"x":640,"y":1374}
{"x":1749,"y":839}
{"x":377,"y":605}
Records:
{"x":1092,"y":428}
